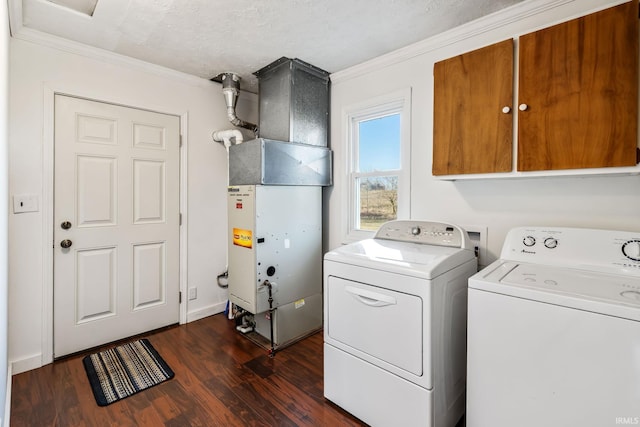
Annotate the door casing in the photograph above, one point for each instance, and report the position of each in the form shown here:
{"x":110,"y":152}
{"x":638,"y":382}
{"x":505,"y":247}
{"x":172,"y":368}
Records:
{"x":48,"y":208}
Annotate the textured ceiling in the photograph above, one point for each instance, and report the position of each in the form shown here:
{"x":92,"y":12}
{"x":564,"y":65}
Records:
{"x":208,"y":37}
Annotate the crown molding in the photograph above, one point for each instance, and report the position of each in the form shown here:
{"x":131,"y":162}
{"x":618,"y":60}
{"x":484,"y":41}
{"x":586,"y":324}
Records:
{"x":473,"y":29}
{"x":15,"y":16}
{"x":20,"y":32}
{"x":69,"y":46}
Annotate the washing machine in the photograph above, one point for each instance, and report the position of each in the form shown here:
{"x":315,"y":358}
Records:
{"x":554,"y":331}
{"x":395,"y":324}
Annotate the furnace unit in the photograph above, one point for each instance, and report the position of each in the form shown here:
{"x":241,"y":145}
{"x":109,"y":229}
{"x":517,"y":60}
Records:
{"x":275,"y":206}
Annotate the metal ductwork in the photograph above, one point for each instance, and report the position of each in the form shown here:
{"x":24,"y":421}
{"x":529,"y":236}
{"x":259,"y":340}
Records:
{"x":294,"y":113}
{"x":230,"y":91}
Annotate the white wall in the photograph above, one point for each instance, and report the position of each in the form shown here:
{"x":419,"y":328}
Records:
{"x":595,"y":202}
{"x":36,"y":71}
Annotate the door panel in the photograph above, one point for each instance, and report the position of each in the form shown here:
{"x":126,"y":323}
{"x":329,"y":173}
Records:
{"x":117,"y":183}
{"x":148,"y":191}
{"x":98,"y":130}
{"x":148,"y":275}
{"x":96,"y":284}
{"x":148,"y":136}
{"x":579,"y":80}
{"x":97,"y":191}
{"x":471,"y":133}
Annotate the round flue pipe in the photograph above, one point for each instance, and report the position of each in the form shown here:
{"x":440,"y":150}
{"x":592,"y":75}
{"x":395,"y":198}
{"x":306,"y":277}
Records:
{"x":230,"y":91}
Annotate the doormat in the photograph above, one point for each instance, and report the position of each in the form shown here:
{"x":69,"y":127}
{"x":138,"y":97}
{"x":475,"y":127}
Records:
{"x":125,"y":370}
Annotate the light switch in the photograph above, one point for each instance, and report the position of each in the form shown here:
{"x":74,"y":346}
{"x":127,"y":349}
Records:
{"x":25,"y":203}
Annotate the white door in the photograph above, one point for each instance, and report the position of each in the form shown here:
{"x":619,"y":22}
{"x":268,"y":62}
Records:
{"x":117,"y":206}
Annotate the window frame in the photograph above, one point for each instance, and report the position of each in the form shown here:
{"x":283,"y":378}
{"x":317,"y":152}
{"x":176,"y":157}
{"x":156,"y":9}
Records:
{"x":398,"y":102}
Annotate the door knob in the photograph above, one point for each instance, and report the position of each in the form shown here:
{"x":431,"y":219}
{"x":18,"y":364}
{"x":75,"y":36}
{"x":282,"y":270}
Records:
{"x":523,"y":107}
{"x":65,"y":225}
{"x":66,"y":243}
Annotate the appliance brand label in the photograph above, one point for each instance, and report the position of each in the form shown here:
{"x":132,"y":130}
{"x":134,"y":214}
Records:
{"x":242,"y":237}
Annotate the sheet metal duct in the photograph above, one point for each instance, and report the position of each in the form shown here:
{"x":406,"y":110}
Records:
{"x":294,"y":102}
{"x":294,"y":115}
{"x":269,"y":162}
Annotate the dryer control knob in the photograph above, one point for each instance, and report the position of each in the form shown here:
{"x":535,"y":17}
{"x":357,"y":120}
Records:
{"x":550,"y":242}
{"x":631,"y":249}
{"x":529,"y":241}
{"x":415,"y":230}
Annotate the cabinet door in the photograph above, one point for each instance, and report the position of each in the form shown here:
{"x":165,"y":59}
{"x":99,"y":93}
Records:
{"x":579,"y":82}
{"x":471,"y":133}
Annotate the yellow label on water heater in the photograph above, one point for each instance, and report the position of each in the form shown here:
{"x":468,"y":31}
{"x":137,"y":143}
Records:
{"x":242,"y":237}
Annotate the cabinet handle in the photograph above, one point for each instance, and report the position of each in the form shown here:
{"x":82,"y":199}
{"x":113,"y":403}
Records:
{"x":506,"y":110}
{"x":523,"y":107}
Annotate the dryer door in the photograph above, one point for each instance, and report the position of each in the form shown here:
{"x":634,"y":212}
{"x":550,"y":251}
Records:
{"x":381,"y":323}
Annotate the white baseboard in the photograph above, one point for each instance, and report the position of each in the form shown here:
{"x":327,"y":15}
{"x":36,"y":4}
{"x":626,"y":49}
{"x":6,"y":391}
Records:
{"x":7,"y":402}
{"x":35,"y":361}
{"x":205,"y":312}
{"x":27,"y":364}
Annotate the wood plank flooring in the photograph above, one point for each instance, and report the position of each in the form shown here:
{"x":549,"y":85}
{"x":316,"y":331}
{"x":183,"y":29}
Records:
{"x":222,"y":379}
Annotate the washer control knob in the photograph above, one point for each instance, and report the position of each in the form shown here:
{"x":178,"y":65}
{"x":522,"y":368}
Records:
{"x":631,"y":249}
{"x":550,"y":242}
{"x":529,"y":241}
{"x":415,"y":230}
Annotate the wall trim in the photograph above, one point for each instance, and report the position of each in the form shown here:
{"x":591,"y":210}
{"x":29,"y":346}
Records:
{"x":72,"y":47}
{"x":7,"y":402}
{"x":47,"y":224}
{"x":15,"y":16}
{"x":69,"y":46}
{"x":206,"y":312}
{"x":184,"y":217}
{"x":469,"y":30}
{"x":24,"y":365}
{"x":49,"y":93}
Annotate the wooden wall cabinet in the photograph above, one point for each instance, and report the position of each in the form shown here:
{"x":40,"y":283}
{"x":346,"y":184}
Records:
{"x":577,"y":93}
{"x":471,"y":132}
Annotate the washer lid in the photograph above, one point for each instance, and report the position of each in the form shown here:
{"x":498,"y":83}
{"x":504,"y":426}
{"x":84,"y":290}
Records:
{"x":615,"y":295}
{"x":413,"y":259}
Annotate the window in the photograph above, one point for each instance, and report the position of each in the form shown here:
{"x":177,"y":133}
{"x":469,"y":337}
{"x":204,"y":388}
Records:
{"x":378,"y":163}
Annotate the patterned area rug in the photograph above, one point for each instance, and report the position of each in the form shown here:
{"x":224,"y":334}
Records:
{"x":125,"y":370}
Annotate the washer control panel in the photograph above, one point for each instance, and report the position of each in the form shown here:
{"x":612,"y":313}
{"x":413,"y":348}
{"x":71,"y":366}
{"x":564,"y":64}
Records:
{"x":424,"y":232}
{"x":597,"y":250}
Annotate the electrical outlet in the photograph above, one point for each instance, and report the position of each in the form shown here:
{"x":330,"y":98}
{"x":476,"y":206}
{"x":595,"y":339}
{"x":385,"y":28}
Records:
{"x":193,"y":293}
{"x":478,"y":236}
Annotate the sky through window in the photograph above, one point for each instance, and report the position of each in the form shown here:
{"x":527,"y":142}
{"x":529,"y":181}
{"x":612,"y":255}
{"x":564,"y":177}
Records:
{"x":380,"y":144}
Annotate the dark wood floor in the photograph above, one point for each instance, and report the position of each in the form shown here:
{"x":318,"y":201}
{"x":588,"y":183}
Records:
{"x":222,"y":379}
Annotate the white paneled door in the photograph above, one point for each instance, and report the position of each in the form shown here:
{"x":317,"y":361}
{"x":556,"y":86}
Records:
{"x":116,"y":223}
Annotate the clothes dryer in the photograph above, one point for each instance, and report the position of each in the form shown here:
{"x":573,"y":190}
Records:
{"x":395,"y":324}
